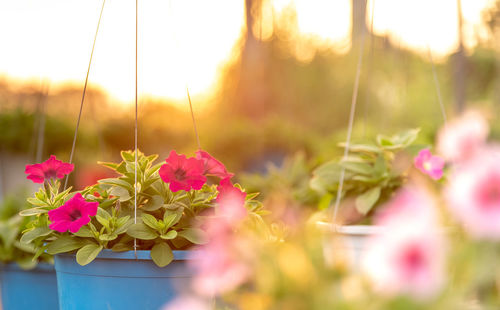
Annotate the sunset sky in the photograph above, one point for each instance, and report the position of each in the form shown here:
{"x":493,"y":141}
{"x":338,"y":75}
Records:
{"x":186,"y":42}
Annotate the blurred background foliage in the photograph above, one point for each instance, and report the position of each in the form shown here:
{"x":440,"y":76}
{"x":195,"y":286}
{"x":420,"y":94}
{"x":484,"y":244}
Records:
{"x":277,"y":98}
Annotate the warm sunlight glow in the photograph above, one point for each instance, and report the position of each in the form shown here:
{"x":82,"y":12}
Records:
{"x":186,"y":42}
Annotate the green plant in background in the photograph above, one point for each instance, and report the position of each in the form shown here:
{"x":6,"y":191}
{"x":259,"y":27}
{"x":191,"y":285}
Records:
{"x":373,"y":172}
{"x":11,"y":227}
{"x":174,"y":199}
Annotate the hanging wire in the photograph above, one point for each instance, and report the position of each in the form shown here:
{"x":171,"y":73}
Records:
{"x":135,"y":126}
{"x":83,"y":95}
{"x":351,"y":123}
{"x":194,"y":120}
{"x":436,"y":83}
{"x":369,"y":69}
{"x":41,"y":128}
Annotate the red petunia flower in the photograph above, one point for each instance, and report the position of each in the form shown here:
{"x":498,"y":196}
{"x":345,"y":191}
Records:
{"x":182,"y":173}
{"x":231,"y":201}
{"x":212,"y":166}
{"x":72,"y":215}
{"x":49,"y":169}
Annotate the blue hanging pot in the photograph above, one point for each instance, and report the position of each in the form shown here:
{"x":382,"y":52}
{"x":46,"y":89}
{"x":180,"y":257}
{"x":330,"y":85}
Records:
{"x":119,"y":280}
{"x":29,"y":289}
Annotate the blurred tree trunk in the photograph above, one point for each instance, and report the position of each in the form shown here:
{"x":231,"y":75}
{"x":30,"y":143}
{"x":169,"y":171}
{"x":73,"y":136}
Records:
{"x":459,"y":64}
{"x":253,"y":90}
{"x":358,"y":21}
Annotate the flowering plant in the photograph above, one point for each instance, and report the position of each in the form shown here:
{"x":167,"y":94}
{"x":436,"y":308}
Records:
{"x":175,"y":198}
{"x":373,"y":172}
{"x":11,"y":227}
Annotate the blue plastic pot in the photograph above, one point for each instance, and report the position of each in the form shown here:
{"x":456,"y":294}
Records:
{"x":120,"y":281}
{"x":29,"y":289}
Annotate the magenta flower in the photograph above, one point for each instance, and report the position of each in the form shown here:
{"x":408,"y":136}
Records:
{"x":473,"y":194}
{"x":49,"y":169}
{"x":182,"y":173}
{"x":72,"y":215}
{"x":212,"y":166}
{"x":429,"y":164}
{"x":231,"y":201}
{"x":407,"y":256}
{"x":461,"y":138}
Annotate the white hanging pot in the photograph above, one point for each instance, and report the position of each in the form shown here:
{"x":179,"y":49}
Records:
{"x":346,"y":244}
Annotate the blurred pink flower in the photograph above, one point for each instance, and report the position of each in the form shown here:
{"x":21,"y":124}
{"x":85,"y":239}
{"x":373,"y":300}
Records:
{"x":429,"y":164}
{"x":219,"y":264}
{"x":473,"y":194}
{"x":49,"y":169}
{"x":212,"y":166}
{"x":231,"y":201}
{"x":72,"y":215}
{"x":187,"y":303}
{"x":182,"y":173}
{"x":461,"y":138}
{"x":407,"y":256}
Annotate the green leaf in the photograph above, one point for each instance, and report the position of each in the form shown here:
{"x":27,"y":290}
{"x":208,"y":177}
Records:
{"x":362,"y":148}
{"x":84,"y":232}
{"x":37,"y":202}
{"x":88,"y":253}
{"x":103,"y":213}
{"x":108,"y":165}
{"x":153,"y":204}
{"x":64,"y":244}
{"x":121,"y":228}
{"x":121,"y":247}
{"x":171,"y":218}
{"x":324,"y":202}
{"x":150,"y":220}
{"x":104,"y":222}
{"x":128,"y":155}
{"x":35,"y":233}
{"x":122,"y":194}
{"x":108,"y":237}
{"x":162,"y":254}
{"x":366,"y":201}
{"x":33,"y":211}
{"x":169,"y":235}
{"x":141,"y":231}
{"x":357,"y":167}
{"x":117,"y":182}
{"x":195,"y":235}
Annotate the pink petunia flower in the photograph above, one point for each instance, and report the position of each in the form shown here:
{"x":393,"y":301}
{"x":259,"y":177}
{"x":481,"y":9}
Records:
{"x":231,"y":201}
{"x":72,"y":215}
{"x":182,"y":173}
{"x":461,"y":138}
{"x":407,"y":256}
{"x":429,"y":164}
{"x":49,"y":169}
{"x":187,"y":303}
{"x":219,"y":268}
{"x":473,"y":194}
{"x":212,"y":166}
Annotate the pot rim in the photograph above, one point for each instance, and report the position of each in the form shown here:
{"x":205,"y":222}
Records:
{"x":357,"y":230}
{"x":179,"y":255}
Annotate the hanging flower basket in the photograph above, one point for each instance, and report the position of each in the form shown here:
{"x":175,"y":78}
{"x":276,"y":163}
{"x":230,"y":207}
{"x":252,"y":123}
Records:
{"x":124,"y":242}
{"x":28,"y":289}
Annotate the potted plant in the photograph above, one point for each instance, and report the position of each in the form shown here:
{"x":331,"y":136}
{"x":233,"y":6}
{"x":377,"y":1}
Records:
{"x":111,"y":254}
{"x":372,"y":174}
{"x":26,"y":283}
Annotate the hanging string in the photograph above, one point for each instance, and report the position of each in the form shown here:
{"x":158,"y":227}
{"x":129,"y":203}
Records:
{"x":194,"y":121}
{"x":135,"y":127}
{"x":436,"y":84}
{"x":369,"y":69}
{"x":83,"y":95}
{"x":351,"y":123}
{"x":41,"y":128}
